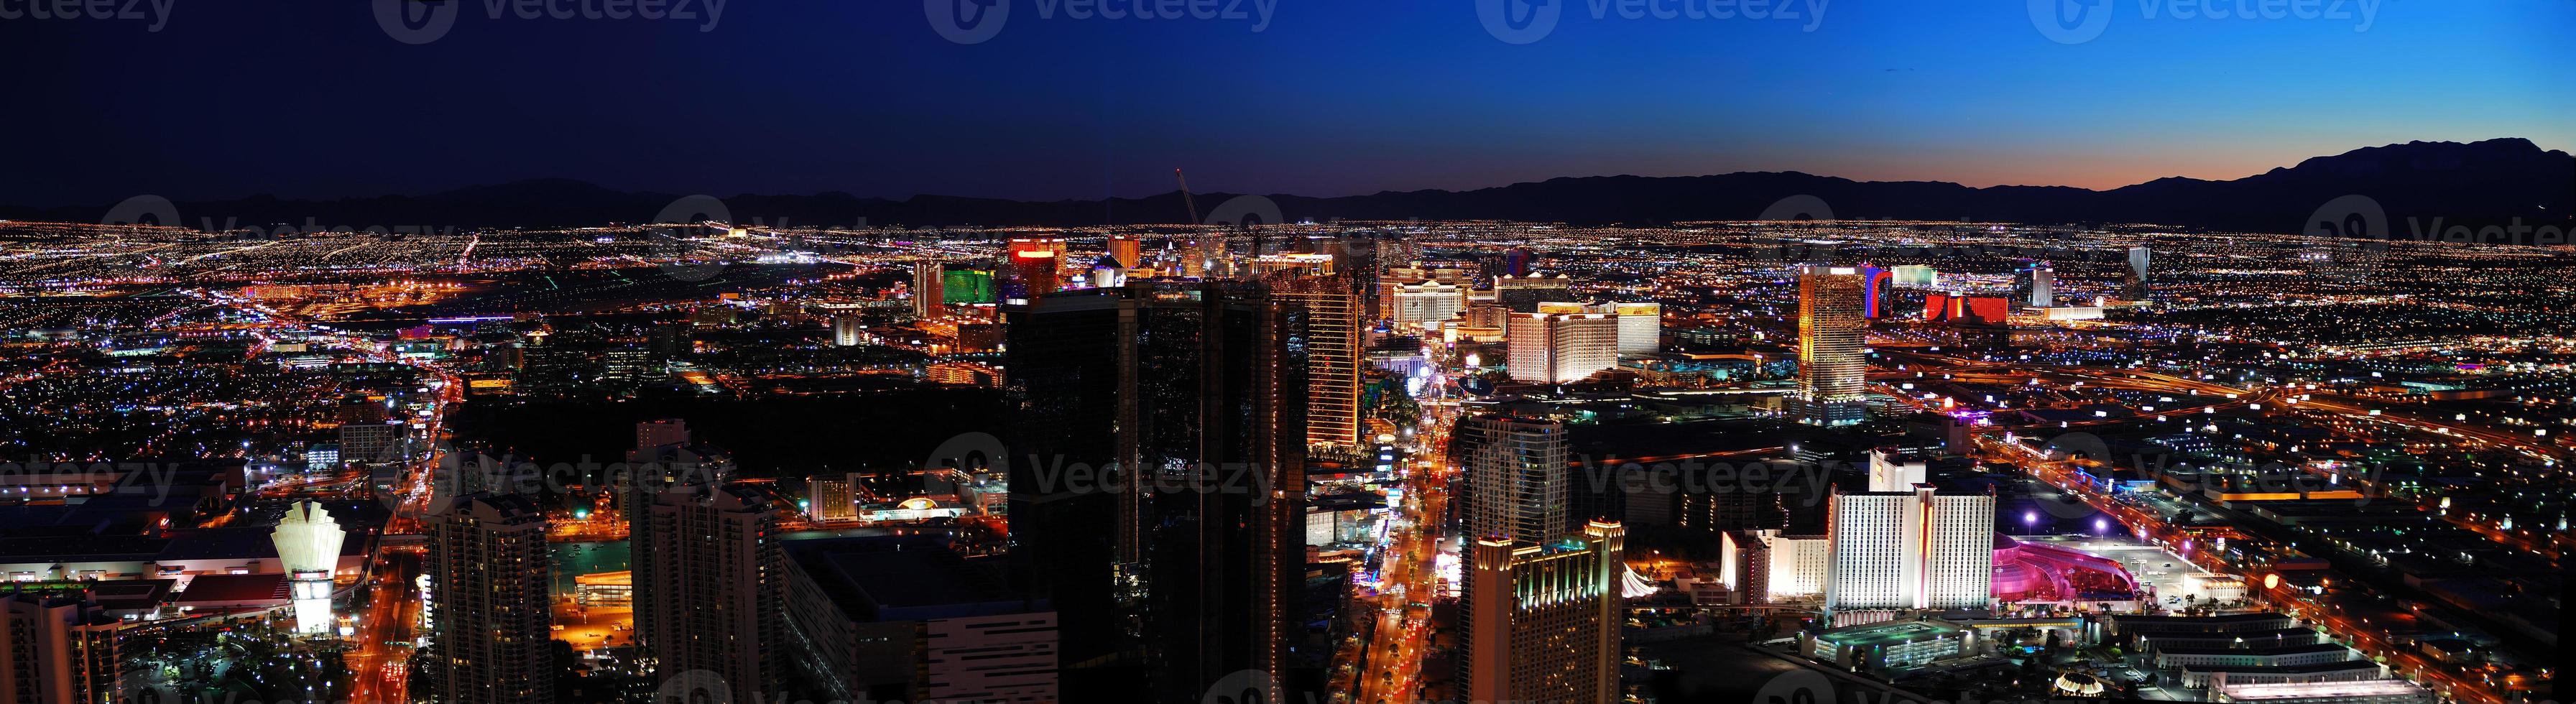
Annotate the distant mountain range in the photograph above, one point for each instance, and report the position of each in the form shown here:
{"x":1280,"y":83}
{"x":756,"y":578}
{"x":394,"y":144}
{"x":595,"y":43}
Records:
{"x":2489,"y":182}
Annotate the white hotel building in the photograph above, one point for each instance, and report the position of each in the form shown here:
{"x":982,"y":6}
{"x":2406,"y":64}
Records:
{"x":1916,"y":549}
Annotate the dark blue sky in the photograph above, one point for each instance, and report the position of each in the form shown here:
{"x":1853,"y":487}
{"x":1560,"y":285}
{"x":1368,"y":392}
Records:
{"x":1332,"y":97}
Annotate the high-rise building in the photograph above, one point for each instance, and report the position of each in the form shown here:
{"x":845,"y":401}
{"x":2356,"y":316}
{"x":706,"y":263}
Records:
{"x":1874,"y":283}
{"x":1914,"y":549}
{"x":711,"y":586}
{"x":1032,"y":267}
{"x":1641,"y":327}
{"x":928,"y":302}
{"x":848,"y":330}
{"x":1428,"y":302}
{"x":1559,"y":348}
{"x":1517,"y":478}
{"x":58,"y":649}
{"x":1541,"y":622}
{"x":905,"y":619}
{"x":308,"y":549}
{"x":832,"y":499}
{"x":1333,"y":328}
{"x":1831,"y":333}
{"x":1359,"y":261}
{"x":1184,"y":384}
{"x":371,"y":442}
{"x":1540,"y":601}
{"x":1799,"y":565}
{"x":2035,"y":282}
{"x":1893,"y":471}
{"x":2134,"y":281}
{"x":1517,"y":261}
{"x":1522,"y":294}
{"x":488,"y":570}
{"x":1129,"y":251}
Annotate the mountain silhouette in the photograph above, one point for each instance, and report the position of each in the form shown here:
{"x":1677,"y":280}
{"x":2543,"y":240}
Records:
{"x":2491,"y":182}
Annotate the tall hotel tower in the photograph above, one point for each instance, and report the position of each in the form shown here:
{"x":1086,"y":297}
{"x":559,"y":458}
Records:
{"x":1332,"y":355}
{"x":1541,"y":603}
{"x":927,"y":298}
{"x":487,"y":566}
{"x":1160,"y":384}
{"x":1560,"y":348}
{"x":1832,"y":330}
{"x":711,"y":606}
{"x":1909,"y":549}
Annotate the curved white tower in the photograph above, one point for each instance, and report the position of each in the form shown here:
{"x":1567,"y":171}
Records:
{"x":308,"y":542}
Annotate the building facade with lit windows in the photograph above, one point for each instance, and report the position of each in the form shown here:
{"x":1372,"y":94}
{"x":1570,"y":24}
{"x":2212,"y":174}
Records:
{"x":1332,"y":341}
{"x":1832,"y":332}
{"x":59,"y":649}
{"x":1641,"y":327}
{"x":1917,"y":549}
{"x":488,"y":569}
{"x":1559,"y":348}
{"x":848,"y":330}
{"x":1516,"y":478}
{"x":1428,"y":302}
{"x":710,"y":584}
{"x":928,"y":303}
{"x":1522,"y":294}
{"x":1541,"y":622}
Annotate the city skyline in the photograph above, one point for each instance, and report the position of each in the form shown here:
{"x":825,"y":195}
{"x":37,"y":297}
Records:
{"x":1250,"y":352}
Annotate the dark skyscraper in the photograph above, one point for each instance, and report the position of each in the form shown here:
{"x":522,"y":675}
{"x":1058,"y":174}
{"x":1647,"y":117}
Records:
{"x":711,"y":608}
{"x":487,"y":561}
{"x":1200,"y":389}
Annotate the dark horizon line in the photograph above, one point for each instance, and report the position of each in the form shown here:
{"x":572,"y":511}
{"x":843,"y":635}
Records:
{"x":262,"y":195}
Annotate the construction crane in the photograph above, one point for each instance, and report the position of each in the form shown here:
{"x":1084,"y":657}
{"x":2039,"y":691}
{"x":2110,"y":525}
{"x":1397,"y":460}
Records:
{"x":1185,"y":197}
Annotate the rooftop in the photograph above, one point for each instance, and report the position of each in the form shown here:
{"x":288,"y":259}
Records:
{"x":2319,"y":690}
{"x":1889,"y":633}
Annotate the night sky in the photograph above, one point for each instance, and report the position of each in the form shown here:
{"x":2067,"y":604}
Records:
{"x":1331,"y":97}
